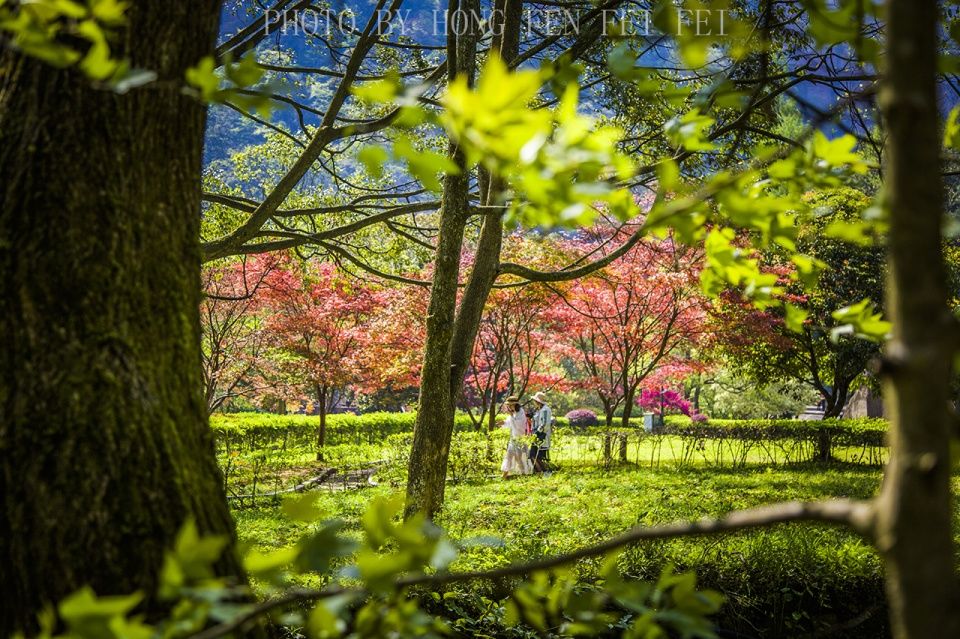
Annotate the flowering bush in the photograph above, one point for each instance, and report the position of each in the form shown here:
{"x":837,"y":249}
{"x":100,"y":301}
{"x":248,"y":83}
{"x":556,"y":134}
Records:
{"x":661,"y":401}
{"x":582,"y":417}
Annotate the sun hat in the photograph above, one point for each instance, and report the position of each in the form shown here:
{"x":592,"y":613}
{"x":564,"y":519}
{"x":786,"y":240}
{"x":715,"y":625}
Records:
{"x":513,"y":399}
{"x":540,"y":397}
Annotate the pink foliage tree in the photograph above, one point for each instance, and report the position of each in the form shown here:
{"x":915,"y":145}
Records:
{"x":317,"y":325}
{"x":391,"y":360}
{"x":232,"y":337}
{"x":638,"y":315}
{"x":511,"y":350}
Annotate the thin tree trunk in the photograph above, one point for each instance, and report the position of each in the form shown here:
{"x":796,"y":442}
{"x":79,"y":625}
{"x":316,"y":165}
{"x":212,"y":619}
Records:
{"x":608,"y":413}
{"x":450,"y":343}
{"x":322,"y":392}
{"x":105,"y":445}
{"x":427,"y":469}
{"x":914,"y":528}
{"x":627,"y":408}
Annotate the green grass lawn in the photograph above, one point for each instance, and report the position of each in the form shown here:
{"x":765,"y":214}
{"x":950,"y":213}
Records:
{"x":786,"y":581}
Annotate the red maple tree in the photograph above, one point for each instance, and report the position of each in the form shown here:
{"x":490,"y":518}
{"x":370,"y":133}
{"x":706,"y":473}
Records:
{"x":636,"y":316}
{"x":317,"y":325}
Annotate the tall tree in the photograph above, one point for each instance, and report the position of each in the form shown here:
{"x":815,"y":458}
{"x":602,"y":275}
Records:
{"x":914,"y":525}
{"x":104,"y":438}
{"x":511,"y":350}
{"x":316,"y":322}
{"x":760,"y":344}
{"x":337,"y":222}
{"x":631,"y":318}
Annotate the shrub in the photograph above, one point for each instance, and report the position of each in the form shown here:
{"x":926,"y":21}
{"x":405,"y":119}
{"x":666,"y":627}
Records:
{"x":582,"y":417}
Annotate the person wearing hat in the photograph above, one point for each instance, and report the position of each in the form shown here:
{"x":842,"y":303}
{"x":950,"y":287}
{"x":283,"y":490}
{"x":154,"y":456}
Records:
{"x":542,"y":429}
{"x":515,"y":461}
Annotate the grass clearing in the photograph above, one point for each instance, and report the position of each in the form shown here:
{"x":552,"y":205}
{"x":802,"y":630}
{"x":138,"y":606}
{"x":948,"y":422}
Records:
{"x":785,"y":581}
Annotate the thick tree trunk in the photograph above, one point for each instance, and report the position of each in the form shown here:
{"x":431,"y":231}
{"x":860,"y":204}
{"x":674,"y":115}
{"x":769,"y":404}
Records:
{"x":104,"y":445}
{"x":914,"y":529}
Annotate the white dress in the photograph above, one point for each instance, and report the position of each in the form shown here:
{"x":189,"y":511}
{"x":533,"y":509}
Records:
{"x":517,"y":461}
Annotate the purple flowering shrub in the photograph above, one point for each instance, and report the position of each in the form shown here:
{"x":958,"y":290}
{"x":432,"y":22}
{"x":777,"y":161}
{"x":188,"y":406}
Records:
{"x":582,"y":417}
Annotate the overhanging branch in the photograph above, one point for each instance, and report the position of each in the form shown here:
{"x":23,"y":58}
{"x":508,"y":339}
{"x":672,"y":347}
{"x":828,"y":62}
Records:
{"x":857,"y":515}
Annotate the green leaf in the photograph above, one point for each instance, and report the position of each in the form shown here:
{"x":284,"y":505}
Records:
{"x":260,"y":564}
{"x":97,"y":64}
{"x":951,"y":131}
{"x":622,"y":61}
{"x":109,"y":12}
{"x":318,"y":549}
{"x":204,"y":79}
{"x":301,"y":507}
{"x":377,"y":521}
{"x":376,"y":92}
{"x":839,"y":152}
{"x":795,"y":317}
{"x":861,"y":320}
{"x":373,"y":158}
{"x":244,"y":73}
{"x":425,"y":165}
{"x":690,"y":131}
{"x":84,"y":603}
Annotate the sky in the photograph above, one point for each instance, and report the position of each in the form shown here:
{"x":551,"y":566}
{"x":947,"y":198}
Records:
{"x":228,"y":131}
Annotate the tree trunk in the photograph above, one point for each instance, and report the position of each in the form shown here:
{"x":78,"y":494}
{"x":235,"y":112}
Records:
{"x":487,"y":260}
{"x":627,"y":409}
{"x":914,"y":530}
{"x":837,"y":400}
{"x":824,"y":450}
{"x":451,"y":343}
{"x":105,"y":445}
{"x":427,"y":470}
{"x":322,"y":392}
{"x":608,"y":413}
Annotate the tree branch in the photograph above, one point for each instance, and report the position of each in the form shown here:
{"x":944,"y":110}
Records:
{"x":857,"y":515}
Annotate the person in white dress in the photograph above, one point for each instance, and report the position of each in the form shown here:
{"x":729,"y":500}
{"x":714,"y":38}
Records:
{"x":516,"y":461}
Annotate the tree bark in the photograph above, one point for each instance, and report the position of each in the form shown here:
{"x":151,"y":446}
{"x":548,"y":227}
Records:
{"x":914,"y":530}
{"x":627,"y":408}
{"x":105,"y":449}
{"x":451,"y":338}
{"x":608,"y":409}
{"x":322,"y":393}
{"x":487,"y":260}
{"x":426,"y":472}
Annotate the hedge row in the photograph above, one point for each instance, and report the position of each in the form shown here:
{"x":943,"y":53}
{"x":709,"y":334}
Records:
{"x":347,"y":428}
{"x":342,"y":428}
{"x":865,"y":430}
